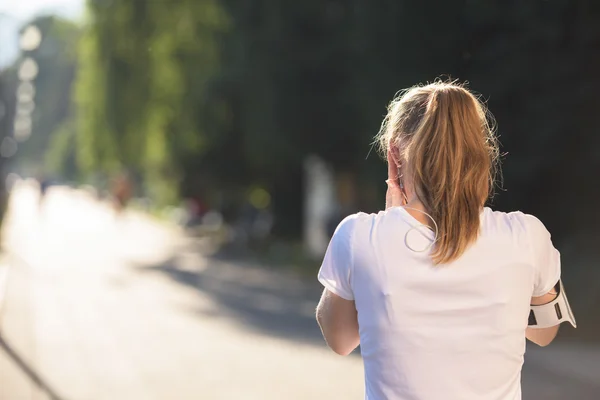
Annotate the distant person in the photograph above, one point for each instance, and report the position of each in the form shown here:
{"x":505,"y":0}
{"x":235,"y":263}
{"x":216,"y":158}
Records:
{"x":121,"y":191}
{"x":439,"y":290}
{"x":44,"y":184}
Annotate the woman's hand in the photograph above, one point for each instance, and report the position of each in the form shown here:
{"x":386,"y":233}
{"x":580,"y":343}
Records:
{"x":394,"y":195}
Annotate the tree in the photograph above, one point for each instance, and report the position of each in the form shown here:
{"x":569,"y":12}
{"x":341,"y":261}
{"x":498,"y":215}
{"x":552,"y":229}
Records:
{"x":145,"y":71}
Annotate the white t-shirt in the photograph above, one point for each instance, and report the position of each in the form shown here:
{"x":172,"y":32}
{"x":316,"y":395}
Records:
{"x":448,"y":332}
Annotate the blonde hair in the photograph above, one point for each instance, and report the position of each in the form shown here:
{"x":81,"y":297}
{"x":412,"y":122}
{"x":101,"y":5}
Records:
{"x":445,"y":138}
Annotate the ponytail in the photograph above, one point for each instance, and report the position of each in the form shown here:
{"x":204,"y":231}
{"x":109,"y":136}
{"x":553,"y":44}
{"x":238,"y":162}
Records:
{"x":444,"y":136}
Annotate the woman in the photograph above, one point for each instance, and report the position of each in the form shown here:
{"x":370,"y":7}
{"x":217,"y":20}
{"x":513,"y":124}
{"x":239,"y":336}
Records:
{"x":437,"y":288}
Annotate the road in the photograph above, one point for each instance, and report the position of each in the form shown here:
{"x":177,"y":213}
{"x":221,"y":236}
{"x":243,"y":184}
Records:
{"x":104,"y":308}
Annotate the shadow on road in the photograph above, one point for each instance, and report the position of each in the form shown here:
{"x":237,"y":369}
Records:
{"x":267,"y":301}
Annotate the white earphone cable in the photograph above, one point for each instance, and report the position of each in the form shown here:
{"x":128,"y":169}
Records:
{"x":418,"y":226}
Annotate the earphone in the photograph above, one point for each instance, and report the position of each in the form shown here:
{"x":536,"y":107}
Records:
{"x":418,"y":226}
{"x":401,"y":184}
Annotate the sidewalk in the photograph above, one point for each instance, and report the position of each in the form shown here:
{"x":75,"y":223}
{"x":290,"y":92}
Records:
{"x":18,"y":378}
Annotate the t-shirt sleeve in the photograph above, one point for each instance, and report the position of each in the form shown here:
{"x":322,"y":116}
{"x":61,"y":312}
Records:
{"x":336,"y":269}
{"x":546,"y":258}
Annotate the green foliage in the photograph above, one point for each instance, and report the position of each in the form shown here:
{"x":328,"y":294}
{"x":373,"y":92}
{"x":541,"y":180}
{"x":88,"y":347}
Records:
{"x":144,"y":75}
{"x":60,"y":159}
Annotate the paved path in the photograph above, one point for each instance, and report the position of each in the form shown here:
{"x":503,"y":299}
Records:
{"x":102,"y":308}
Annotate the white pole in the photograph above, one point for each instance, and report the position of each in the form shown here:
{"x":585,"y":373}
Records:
{"x":319,"y":203}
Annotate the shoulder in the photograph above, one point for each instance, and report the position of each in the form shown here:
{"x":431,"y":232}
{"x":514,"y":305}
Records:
{"x":367,"y":222}
{"x":515,"y":223}
{"x":354,"y":222}
{"x":357,"y":228}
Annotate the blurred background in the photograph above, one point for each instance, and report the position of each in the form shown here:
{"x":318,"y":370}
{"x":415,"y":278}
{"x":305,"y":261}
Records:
{"x":174,"y":169}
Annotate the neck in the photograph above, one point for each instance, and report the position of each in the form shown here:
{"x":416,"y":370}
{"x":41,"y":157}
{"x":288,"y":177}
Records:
{"x":415,"y":207}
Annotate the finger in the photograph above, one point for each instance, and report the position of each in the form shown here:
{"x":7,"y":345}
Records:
{"x":392,"y":167}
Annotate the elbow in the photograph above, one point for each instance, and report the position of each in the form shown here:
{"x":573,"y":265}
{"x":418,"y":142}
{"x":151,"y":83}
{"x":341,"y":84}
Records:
{"x":340,"y":349}
{"x":542,"y":337}
{"x":337,"y":344}
{"x":343,"y":353}
{"x":544,"y":342}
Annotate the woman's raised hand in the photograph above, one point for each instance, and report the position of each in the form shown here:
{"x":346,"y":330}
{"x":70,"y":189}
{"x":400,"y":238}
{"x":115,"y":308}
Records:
{"x":393,"y":196}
